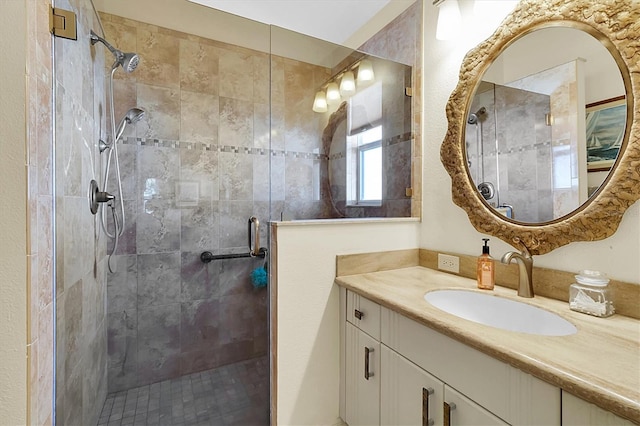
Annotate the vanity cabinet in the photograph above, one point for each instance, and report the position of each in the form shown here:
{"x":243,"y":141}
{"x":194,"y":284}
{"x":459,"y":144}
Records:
{"x":423,"y":377}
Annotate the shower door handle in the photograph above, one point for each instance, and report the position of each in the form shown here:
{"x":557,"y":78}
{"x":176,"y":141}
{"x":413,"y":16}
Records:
{"x":254,"y":243}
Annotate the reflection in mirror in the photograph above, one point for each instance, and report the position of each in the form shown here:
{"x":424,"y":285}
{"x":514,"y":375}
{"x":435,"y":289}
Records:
{"x":541,"y":132}
{"x":367,"y":143}
{"x":342,"y":126}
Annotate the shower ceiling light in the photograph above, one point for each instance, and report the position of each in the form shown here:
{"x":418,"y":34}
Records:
{"x":347,"y":84}
{"x":365,"y":72}
{"x":449,"y":19}
{"x":333,"y":93}
{"x":320,"y":102}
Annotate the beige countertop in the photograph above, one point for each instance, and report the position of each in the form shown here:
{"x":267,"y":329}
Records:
{"x":600,"y":363}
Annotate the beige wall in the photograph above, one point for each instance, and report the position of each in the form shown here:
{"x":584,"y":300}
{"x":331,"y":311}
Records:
{"x":446,"y":227}
{"x":308,"y":329}
{"x":13,"y":214}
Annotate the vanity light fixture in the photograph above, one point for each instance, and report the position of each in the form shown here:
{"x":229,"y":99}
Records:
{"x":333,"y":93}
{"x":449,"y":19}
{"x":347,"y":84}
{"x":365,"y":72}
{"x":320,"y":102}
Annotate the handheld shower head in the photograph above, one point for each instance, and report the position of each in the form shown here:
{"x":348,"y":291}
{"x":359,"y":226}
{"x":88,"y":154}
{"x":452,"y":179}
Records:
{"x":128,"y":61}
{"x":132,"y":116}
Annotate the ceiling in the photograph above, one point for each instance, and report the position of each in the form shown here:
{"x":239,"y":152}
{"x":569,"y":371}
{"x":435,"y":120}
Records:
{"x":331,"y":20}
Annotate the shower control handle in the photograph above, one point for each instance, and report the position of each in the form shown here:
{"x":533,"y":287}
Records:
{"x":96,"y":196}
{"x":104,"y":197}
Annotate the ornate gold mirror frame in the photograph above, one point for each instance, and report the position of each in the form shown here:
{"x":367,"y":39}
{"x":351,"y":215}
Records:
{"x":616,"y":23}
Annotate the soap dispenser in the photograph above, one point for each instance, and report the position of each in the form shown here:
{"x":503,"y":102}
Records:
{"x":486,"y":268}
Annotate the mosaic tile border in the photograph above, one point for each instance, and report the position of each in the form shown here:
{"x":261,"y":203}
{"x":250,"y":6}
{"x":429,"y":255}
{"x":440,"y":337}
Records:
{"x":202,"y":146}
{"x":174,"y":144}
{"x":518,"y":149}
{"x":394,"y":140}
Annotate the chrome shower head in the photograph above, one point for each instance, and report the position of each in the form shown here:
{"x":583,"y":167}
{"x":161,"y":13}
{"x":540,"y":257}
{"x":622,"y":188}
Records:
{"x":132,"y":116}
{"x":128,"y":61}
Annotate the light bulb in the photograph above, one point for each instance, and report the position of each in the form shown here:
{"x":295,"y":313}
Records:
{"x":333,"y":94}
{"x":320,"y":102}
{"x":347,"y":84}
{"x":449,"y":20}
{"x":365,"y":72}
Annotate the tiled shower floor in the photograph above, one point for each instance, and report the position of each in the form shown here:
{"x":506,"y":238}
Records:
{"x":236,"y":394}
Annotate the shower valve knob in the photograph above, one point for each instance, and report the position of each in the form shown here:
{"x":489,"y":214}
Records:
{"x":104,"y":197}
{"x":96,"y":196}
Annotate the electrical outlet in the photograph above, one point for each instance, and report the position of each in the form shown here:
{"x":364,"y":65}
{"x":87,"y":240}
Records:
{"x":449,"y":263}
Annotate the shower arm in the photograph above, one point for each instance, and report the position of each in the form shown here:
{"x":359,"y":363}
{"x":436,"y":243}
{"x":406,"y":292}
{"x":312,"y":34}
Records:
{"x":95,"y":38}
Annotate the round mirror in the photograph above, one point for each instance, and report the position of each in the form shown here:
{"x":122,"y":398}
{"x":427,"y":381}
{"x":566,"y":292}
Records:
{"x":522,"y":158}
{"x":546,"y":124}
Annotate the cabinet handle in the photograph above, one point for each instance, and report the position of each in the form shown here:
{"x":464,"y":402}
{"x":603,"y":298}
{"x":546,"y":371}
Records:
{"x":367,"y":373}
{"x":426,"y":421}
{"x":358,"y":314}
{"x":447,"y":412}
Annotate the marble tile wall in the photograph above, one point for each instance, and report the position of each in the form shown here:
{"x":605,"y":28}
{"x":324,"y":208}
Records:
{"x":81,"y":334}
{"x":296,"y":190}
{"x":525,"y":180}
{"x":400,"y":42}
{"x":522,"y":171}
{"x":194,"y":170}
{"x":39,"y":71}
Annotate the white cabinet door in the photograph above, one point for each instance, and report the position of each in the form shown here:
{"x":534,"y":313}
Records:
{"x":578,"y":412}
{"x":509,"y":393}
{"x":408,"y":394}
{"x":362,"y":387}
{"x":461,"y":411}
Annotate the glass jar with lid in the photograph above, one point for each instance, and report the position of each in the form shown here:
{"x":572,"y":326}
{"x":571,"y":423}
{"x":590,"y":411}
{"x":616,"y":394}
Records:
{"x":591,"y":294}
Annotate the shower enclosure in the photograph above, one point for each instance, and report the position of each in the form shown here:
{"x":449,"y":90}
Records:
{"x":228,"y":134}
{"x":163,"y":324}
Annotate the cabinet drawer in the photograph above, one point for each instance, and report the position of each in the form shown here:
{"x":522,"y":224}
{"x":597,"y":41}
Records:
{"x":364,"y":314}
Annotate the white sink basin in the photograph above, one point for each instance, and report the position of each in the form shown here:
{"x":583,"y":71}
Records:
{"x":498,"y":312}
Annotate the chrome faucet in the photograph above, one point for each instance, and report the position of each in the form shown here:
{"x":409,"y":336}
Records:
{"x":525,"y":270}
